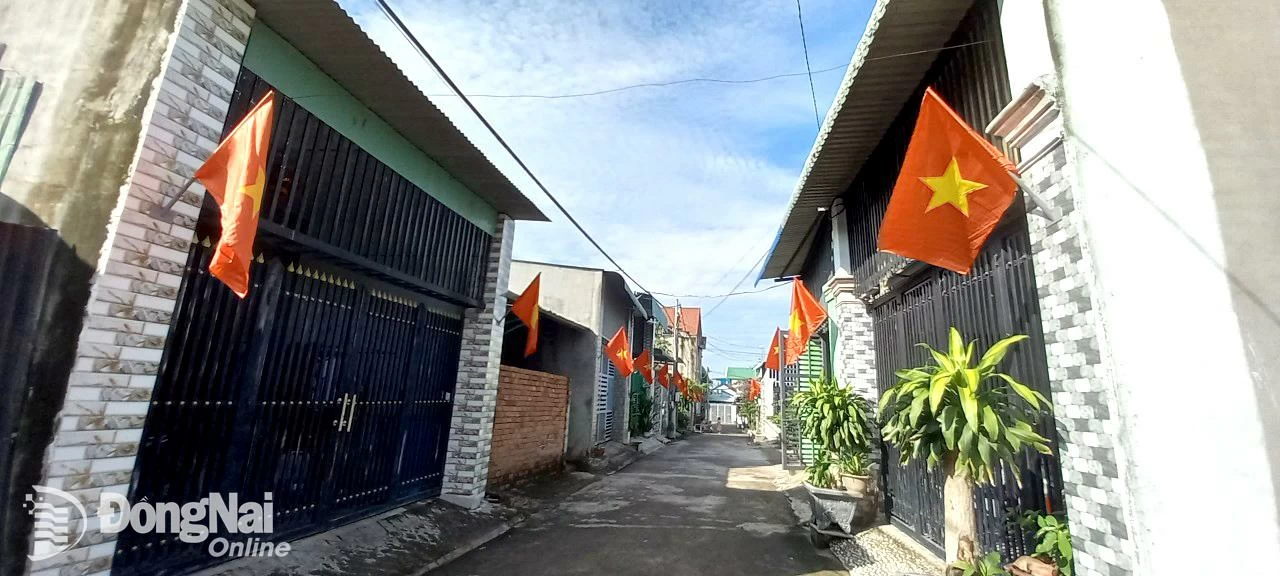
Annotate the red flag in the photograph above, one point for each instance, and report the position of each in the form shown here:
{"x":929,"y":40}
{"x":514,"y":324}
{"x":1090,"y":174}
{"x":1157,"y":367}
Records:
{"x":807,"y":315}
{"x":663,"y":378}
{"x":753,"y":390}
{"x":619,"y":350}
{"x":773,"y":360}
{"x":681,"y":385}
{"x":953,"y":189}
{"x":526,"y":309}
{"x":235,"y":175}
{"x":644,"y":365}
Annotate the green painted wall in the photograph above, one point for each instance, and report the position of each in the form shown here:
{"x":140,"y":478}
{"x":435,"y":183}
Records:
{"x":284,"y":67}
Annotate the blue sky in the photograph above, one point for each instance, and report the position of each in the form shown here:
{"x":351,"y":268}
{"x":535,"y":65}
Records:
{"x":684,"y":185}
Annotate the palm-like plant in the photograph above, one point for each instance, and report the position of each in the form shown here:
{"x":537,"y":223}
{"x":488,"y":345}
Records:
{"x":968,"y":418}
{"x":833,"y":417}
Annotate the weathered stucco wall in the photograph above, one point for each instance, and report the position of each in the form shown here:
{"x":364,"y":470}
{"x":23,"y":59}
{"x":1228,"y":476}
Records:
{"x":95,"y":64}
{"x":573,"y":293}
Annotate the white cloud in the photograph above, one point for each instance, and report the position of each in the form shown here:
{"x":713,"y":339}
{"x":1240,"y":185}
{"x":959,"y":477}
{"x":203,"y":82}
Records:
{"x":677,"y":183}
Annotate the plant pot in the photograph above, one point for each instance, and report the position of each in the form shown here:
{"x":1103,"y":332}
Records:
{"x":1032,"y":566}
{"x":833,"y":507}
{"x":860,"y":487}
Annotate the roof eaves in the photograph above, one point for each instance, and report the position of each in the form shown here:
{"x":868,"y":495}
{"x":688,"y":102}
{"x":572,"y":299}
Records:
{"x":901,"y":41}
{"x":328,"y":36}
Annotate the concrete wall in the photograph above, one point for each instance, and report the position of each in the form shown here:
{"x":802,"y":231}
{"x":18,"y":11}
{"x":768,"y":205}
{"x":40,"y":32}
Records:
{"x":96,"y":64}
{"x":1171,"y":130}
{"x":573,"y":293}
{"x":529,"y":425}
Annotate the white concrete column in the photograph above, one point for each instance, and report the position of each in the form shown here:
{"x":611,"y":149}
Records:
{"x":135,"y":286}
{"x":475,"y":399}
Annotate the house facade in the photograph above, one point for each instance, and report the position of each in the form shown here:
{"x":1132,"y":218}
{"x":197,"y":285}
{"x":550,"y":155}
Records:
{"x":1073,"y":275}
{"x":361,"y":371}
{"x":599,"y":300}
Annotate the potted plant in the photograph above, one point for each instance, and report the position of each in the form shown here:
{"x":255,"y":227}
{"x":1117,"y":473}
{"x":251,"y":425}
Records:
{"x":835,"y":420}
{"x":969,"y":418}
{"x":1053,"y":553}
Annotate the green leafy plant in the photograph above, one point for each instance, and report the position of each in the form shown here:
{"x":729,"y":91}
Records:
{"x":833,"y":417}
{"x":682,"y":419}
{"x":854,"y":462}
{"x":1053,"y":539}
{"x":956,"y":407}
{"x":821,"y":472}
{"x":639,"y":420}
{"x":988,"y":565}
{"x":970,"y":417}
{"x":750,"y":412}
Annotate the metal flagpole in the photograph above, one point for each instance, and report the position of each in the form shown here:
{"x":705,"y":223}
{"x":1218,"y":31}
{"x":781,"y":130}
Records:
{"x":1053,"y":214}
{"x":673,"y":409}
{"x":161,"y":210}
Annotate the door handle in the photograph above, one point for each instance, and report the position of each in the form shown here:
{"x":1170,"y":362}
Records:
{"x":352,"y":416}
{"x":342,"y":418}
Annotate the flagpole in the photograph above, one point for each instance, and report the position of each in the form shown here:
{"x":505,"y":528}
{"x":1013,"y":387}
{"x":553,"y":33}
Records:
{"x":161,"y":210}
{"x":1053,"y":214}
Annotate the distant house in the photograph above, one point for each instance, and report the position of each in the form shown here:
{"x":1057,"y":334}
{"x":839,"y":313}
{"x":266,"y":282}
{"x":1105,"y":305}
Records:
{"x":600,"y":301}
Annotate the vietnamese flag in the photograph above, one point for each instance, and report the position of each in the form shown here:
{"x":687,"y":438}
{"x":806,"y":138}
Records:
{"x":526,"y":309}
{"x":619,"y":350}
{"x":807,"y":315}
{"x":681,"y":384}
{"x":663,"y":378}
{"x":773,"y":360}
{"x":644,"y":365}
{"x":953,"y":189}
{"x":235,"y":175}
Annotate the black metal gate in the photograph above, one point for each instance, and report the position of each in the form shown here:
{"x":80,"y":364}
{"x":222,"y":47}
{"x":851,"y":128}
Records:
{"x":997,"y":299}
{"x":331,"y":385}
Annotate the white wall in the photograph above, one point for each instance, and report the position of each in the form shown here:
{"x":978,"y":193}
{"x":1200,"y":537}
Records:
{"x":1192,"y":397}
{"x":573,"y":293}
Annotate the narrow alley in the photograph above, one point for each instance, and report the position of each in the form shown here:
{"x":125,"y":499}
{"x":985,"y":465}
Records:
{"x":711,"y":504}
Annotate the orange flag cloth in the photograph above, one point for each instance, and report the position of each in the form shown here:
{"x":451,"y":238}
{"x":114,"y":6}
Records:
{"x":663,"y":378}
{"x":644,"y":365}
{"x":235,"y":175}
{"x":773,"y":360}
{"x":952,"y":191}
{"x":807,"y":315}
{"x":526,"y":309}
{"x":619,"y":351}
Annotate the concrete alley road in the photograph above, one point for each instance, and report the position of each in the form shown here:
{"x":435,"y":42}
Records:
{"x":706,"y":506}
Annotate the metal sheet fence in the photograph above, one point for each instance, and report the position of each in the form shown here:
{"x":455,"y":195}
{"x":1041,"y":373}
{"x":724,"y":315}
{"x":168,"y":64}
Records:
{"x":327,"y":194}
{"x":328,"y":390}
{"x":997,"y":299}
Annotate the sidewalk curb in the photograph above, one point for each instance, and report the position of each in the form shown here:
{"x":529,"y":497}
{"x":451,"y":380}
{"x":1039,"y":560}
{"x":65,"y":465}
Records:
{"x":487,"y":537}
{"x":468,"y":547}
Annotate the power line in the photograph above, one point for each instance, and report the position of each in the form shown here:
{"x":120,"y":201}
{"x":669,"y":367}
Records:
{"x":654,"y":85}
{"x":404,"y":30}
{"x":719,"y":295}
{"x":740,"y":281}
{"x":805,"y":43}
{"x":666,"y":83}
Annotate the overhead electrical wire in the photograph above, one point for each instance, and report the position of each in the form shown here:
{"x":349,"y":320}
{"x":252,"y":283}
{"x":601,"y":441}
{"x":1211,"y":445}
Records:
{"x":726,"y":295}
{"x":805,"y":43}
{"x":422,"y":50}
{"x":654,"y":85}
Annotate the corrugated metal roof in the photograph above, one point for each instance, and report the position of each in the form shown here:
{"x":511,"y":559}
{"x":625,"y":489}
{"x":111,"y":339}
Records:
{"x":901,"y":41}
{"x":327,"y":35}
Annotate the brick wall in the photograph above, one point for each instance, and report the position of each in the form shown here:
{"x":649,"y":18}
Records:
{"x":136,"y":283}
{"x":529,"y":424}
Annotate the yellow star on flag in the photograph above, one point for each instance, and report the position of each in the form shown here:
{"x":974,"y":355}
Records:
{"x":254,"y":190}
{"x":951,"y":188}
